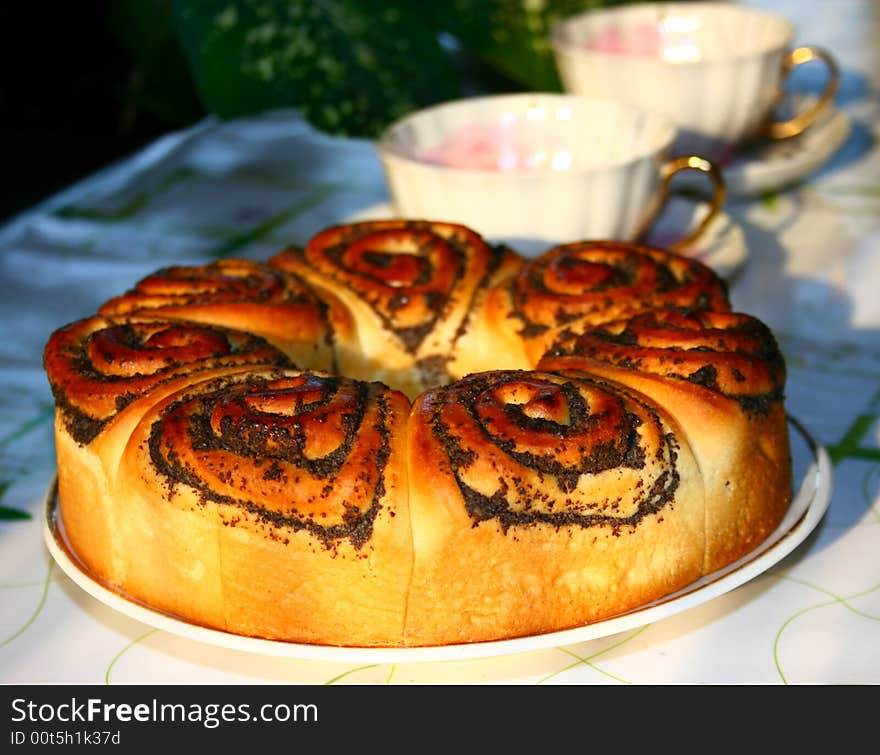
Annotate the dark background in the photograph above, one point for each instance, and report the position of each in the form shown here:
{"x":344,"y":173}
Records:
{"x":86,"y":83}
{"x":76,"y":93}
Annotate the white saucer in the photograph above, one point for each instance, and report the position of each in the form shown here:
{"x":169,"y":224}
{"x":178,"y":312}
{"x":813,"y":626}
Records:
{"x":813,"y":485}
{"x":722,"y":245}
{"x":774,"y":165}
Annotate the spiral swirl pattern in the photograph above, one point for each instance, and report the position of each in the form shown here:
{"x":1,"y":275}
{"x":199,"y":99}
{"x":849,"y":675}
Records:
{"x":412,"y":274}
{"x":227,"y":281}
{"x":562,"y":449}
{"x":295,"y":449}
{"x":246,"y":295}
{"x":98,"y":366}
{"x":606,"y":280}
{"x":730,"y":353}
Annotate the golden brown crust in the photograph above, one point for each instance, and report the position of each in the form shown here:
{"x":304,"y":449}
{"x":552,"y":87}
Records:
{"x":731,"y":353}
{"x":550,"y":501}
{"x":722,"y":376}
{"x":599,"y":281}
{"x":85,"y":506}
{"x":104,"y":374}
{"x":98,"y":365}
{"x":243,"y":295}
{"x":480,"y":345}
{"x":278,"y":499}
{"x":411,"y":287}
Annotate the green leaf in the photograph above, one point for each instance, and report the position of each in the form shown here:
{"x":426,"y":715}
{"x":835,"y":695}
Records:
{"x":350,"y":66}
{"x":7,"y":513}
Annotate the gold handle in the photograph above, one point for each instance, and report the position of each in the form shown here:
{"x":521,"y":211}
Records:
{"x":719,"y":192}
{"x":796,"y":125}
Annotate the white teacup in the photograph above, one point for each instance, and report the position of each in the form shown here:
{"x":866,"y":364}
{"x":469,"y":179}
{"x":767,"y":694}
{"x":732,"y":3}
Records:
{"x":535,"y":169}
{"x":715,"y":68}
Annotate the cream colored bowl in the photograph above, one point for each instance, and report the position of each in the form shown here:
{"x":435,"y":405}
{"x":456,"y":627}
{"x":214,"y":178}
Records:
{"x":716,"y":69}
{"x":535,"y":169}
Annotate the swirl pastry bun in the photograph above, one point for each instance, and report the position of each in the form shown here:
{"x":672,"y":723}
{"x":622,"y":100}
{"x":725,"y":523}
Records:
{"x":414,"y":289}
{"x":402,"y":435}
{"x":551,"y":501}
{"x":105,"y":374}
{"x":244,"y":295}
{"x":721,"y":376}
{"x":282,"y":512}
{"x":595,"y":281}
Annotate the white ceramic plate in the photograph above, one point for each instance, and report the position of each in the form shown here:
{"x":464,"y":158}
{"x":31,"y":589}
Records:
{"x":774,"y":165}
{"x":812,"y":468}
{"x":722,"y":246}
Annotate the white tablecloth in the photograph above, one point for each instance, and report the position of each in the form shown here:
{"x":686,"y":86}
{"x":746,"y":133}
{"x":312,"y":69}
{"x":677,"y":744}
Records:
{"x":249,"y":187}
